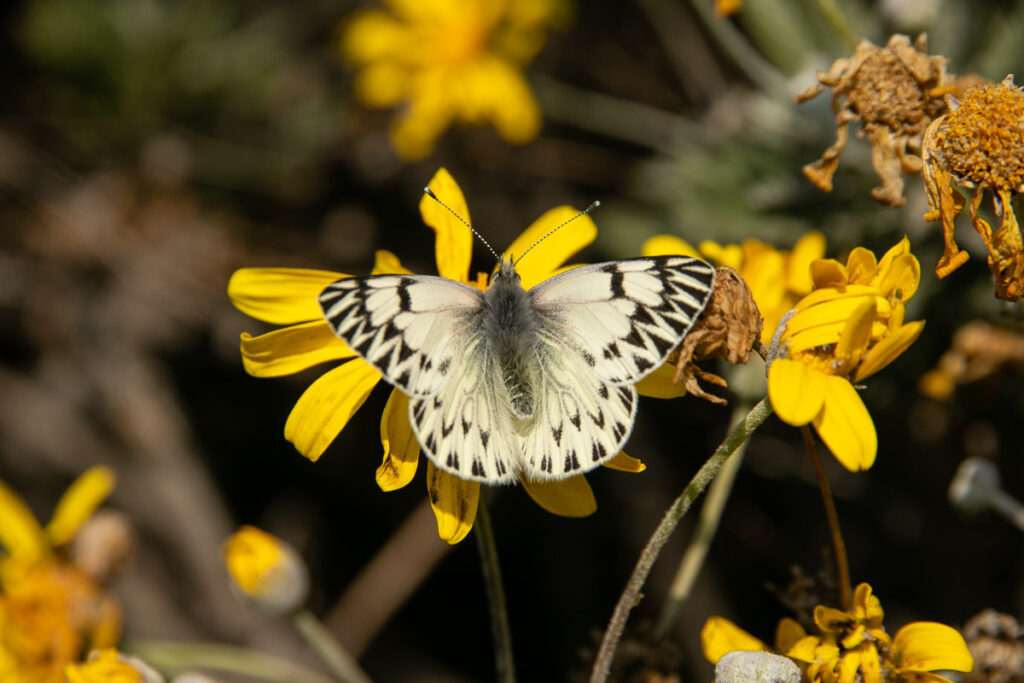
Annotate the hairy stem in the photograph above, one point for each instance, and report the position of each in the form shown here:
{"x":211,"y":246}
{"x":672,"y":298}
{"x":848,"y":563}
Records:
{"x":341,"y":663}
{"x":631,"y":595}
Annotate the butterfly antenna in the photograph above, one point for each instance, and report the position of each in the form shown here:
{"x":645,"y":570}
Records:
{"x":430,"y":193}
{"x":557,"y":228}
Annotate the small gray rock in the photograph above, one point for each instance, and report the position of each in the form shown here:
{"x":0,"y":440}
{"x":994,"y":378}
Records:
{"x":756,"y":667}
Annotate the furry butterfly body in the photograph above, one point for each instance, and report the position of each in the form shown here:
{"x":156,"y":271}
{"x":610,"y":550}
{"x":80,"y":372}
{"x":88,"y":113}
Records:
{"x":513,"y":382}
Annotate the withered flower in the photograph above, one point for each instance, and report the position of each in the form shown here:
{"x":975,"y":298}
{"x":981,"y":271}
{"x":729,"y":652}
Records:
{"x":979,"y":145}
{"x":996,"y":642}
{"x":978,"y":350}
{"x":894,"y":92}
{"x":729,"y":328}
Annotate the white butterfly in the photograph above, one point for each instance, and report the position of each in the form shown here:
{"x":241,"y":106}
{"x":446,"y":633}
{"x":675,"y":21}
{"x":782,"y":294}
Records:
{"x":513,"y":382}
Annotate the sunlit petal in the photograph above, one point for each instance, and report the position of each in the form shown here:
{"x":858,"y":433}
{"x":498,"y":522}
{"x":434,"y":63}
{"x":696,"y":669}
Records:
{"x":325,"y":407}
{"x":668,"y":245}
{"x":401,"y":449}
{"x":902,"y":279}
{"x":853,"y":341}
{"x":845,"y":425}
{"x":659,"y":383}
{"x":807,"y":249}
{"x":453,"y":245}
{"x":454,"y":502}
{"x":78,"y":503}
{"x":281,"y":296}
{"x":387,"y":263}
{"x":788,"y":633}
{"x":861,"y":265}
{"x":292,"y":349}
{"x":625,"y":463}
{"x":558,"y":246}
{"x":888,"y":349}
{"x":927,"y":646}
{"x":828,"y":273}
{"x":570,"y":497}
{"x":797,"y":392}
{"x":720,"y":636}
{"x":20,"y":533}
{"x":730,"y":255}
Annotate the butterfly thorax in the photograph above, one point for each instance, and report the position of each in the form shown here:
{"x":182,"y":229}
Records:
{"x":510,"y":326}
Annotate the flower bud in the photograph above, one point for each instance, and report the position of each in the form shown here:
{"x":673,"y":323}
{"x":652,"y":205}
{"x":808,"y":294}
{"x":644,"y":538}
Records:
{"x":266,"y":570}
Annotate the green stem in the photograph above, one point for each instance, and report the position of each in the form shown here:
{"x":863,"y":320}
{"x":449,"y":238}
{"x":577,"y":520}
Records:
{"x":504,"y":662}
{"x":707,"y":526}
{"x":837,"y":20}
{"x":838,"y":546}
{"x":176,"y":657}
{"x":631,"y":595}
{"x":341,"y":663}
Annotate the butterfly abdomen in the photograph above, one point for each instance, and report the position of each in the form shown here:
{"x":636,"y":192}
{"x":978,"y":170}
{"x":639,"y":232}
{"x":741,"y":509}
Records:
{"x":510,"y":327}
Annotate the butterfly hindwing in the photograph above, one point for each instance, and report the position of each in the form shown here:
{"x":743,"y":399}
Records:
{"x":409,"y":327}
{"x":580,"y":422}
{"x":466,"y":428}
{"x":624,"y":318}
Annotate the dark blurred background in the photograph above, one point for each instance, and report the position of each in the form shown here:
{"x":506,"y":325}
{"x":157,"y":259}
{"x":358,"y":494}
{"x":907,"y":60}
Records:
{"x":148,"y":148}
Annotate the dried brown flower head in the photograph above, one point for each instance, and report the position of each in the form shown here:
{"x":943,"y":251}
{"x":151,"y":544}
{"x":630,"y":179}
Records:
{"x":978,"y":350}
{"x":728,"y":328}
{"x":894,"y":92}
{"x":979,"y":145}
{"x":996,"y":642}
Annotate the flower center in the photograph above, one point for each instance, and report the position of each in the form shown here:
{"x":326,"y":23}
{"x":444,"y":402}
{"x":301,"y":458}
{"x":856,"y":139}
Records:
{"x":982,"y":142}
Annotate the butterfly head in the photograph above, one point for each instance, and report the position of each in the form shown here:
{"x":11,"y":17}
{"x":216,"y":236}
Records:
{"x":506,"y":274}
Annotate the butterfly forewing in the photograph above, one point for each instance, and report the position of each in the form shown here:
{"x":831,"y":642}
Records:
{"x":624,"y":318}
{"x":409,"y":327}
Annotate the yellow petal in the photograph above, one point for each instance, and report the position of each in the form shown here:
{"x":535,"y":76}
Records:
{"x":927,"y":646}
{"x":20,"y":533}
{"x":720,"y":636}
{"x":853,"y":341}
{"x":804,"y":649}
{"x":370,"y":35}
{"x":401,"y":449}
{"x":570,"y":497}
{"x":79,"y":502}
{"x":281,"y":296}
{"x":845,"y":425}
{"x":103,"y":666}
{"x":454,"y":502}
{"x":861,"y":266}
{"x":830,"y":293}
{"x":325,"y":407}
{"x":807,"y":249}
{"x":888,"y":349}
{"x":788,"y":633}
{"x":292,"y":349}
{"x":386,"y":263}
{"x":453,"y":245}
{"x":556,"y":248}
{"x":659,"y":384}
{"x":668,"y":245}
{"x":899,"y":249}
{"x":510,"y":103}
{"x":797,"y":392}
{"x":381,"y":84}
{"x":867,"y":606}
{"x":625,"y":463}
{"x":730,"y":255}
{"x":831,"y":620}
{"x":901,"y":280}
{"x":827,"y":273}
{"x":428,"y":114}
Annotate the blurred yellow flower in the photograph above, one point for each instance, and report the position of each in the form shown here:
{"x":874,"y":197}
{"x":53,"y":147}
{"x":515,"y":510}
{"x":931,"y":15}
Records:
{"x":777,"y":279}
{"x":848,"y":328}
{"x":51,"y":612}
{"x":285,"y":296}
{"x":450,"y":61}
{"x":853,"y":646}
{"x":110,"y":666}
{"x":979,"y":145}
{"x":266,"y":569}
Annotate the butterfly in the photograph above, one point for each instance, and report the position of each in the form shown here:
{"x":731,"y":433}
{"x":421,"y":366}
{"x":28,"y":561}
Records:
{"x":511,"y":382}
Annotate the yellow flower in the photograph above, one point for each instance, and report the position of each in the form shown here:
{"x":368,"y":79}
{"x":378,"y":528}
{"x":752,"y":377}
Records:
{"x":266,"y":569}
{"x":777,"y":279}
{"x":848,"y":328}
{"x":853,"y":646}
{"x":110,"y":666}
{"x":289,"y":297}
{"x":979,"y":145}
{"x":450,"y":61}
{"x":51,"y":612}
